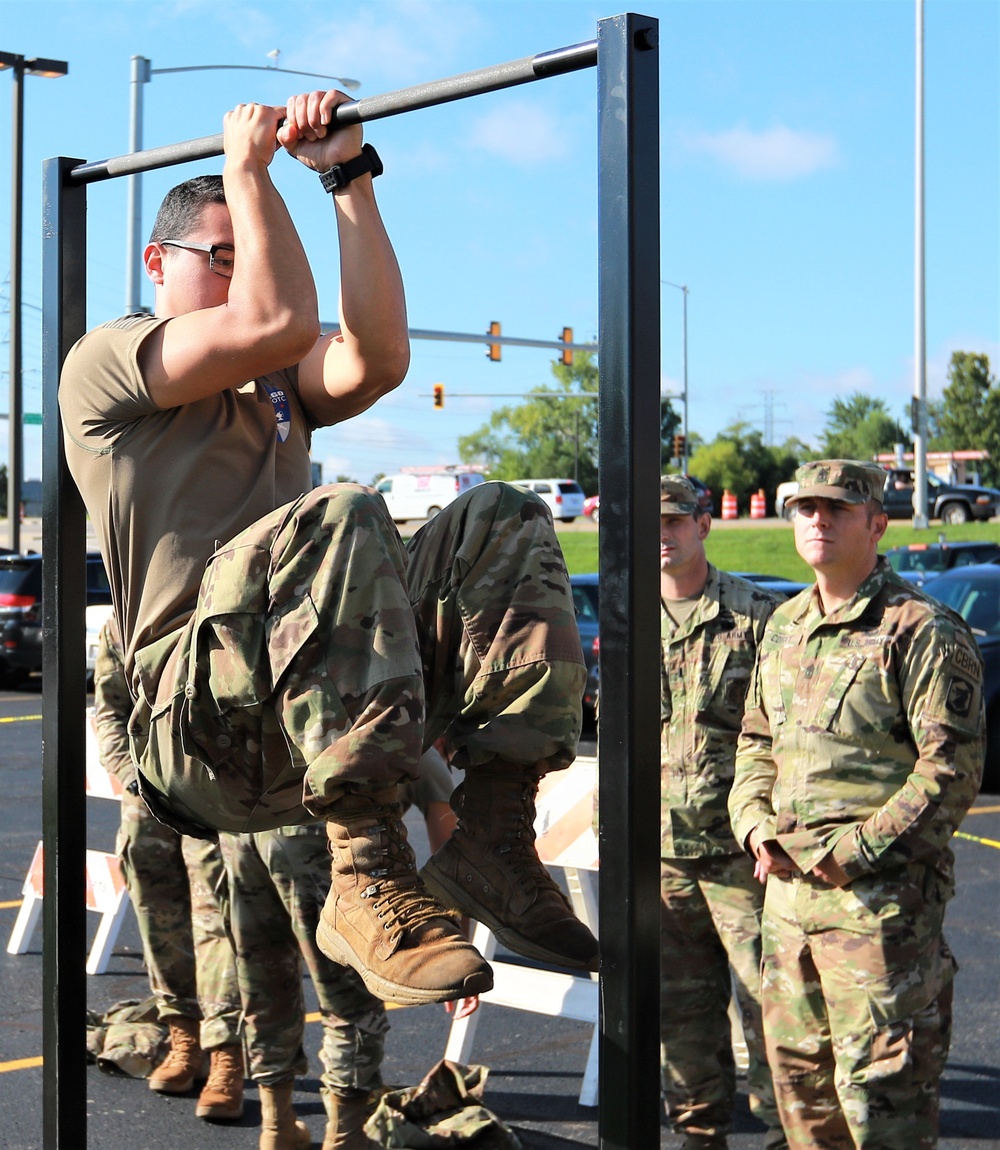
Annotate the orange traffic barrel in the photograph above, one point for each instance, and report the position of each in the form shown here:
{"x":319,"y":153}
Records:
{"x":758,"y":505}
{"x":728,"y":505}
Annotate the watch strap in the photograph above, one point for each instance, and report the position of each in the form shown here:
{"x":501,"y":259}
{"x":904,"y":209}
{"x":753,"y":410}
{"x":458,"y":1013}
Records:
{"x":340,"y":175}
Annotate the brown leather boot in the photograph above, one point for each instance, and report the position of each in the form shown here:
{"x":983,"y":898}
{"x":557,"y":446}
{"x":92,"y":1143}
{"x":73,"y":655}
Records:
{"x":222,"y":1095}
{"x":279,"y":1128}
{"x":489,"y":869}
{"x":379,"y":919}
{"x":186,"y":1061}
{"x":346,"y":1118}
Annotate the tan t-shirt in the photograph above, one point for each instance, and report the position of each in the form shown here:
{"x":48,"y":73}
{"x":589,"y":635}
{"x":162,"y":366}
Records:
{"x":165,"y":487}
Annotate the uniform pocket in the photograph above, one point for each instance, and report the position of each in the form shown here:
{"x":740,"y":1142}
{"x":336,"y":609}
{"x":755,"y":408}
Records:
{"x":860,"y":702}
{"x":228,"y":657}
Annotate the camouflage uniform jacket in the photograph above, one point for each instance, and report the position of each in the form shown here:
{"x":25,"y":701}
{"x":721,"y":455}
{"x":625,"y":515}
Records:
{"x":863,"y":731}
{"x":704,"y":674}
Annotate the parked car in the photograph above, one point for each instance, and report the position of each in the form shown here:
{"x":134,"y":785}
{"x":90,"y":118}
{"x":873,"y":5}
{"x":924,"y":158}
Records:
{"x":592,"y":507}
{"x":949,"y":502}
{"x":21,"y":611}
{"x":97,"y":615}
{"x":423,"y":495}
{"x":563,"y":497}
{"x":586,"y":602}
{"x":974,"y":592}
{"x":920,"y":562}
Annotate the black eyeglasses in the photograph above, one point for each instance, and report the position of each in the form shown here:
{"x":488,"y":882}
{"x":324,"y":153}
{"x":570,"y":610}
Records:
{"x":221,"y":257}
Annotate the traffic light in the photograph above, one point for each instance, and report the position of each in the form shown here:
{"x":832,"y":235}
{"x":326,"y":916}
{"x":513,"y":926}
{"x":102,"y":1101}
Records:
{"x":494,"y":348}
{"x":567,"y":355}
{"x":439,"y":395}
{"x":678,"y":447}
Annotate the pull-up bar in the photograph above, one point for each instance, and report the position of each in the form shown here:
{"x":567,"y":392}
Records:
{"x":555,"y":63}
{"x":629,"y":397}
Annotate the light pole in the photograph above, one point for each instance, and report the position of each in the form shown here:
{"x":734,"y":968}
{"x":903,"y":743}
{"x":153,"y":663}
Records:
{"x":142,"y":73}
{"x":684,"y":395}
{"x":21,"y":67}
{"x":920,"y":501}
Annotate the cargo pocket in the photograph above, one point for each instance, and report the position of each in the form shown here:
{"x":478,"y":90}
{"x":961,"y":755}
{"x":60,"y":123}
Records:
{"x":228,"y":672}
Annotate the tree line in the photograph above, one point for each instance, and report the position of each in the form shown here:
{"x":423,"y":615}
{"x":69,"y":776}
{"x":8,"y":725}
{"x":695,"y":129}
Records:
{"x":555,"y":433}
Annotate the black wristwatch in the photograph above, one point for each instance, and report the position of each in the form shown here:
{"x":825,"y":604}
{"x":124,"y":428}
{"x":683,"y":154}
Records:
{"x":340,"y":175}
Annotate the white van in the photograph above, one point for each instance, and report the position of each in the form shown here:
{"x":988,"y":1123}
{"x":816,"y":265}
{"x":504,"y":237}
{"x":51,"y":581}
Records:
{"x":563,"y":497}
{"x":422,"y":496}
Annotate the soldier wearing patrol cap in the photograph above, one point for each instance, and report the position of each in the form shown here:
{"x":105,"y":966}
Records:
{"x":710,"y":903}
{"x":861,"y":750}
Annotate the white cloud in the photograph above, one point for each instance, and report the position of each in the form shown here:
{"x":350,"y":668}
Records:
{"x":521,"y":132}
{"x":774,"y":154}
{"x":387,"y":45}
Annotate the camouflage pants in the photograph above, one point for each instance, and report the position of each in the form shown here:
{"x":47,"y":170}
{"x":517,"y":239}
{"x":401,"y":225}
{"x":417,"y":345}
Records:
{"x":174,"y":884}
{"x":319,"y":642}
{"x":857,"y":987}
{"x":278,"y":881}
{"x":710,"y":931}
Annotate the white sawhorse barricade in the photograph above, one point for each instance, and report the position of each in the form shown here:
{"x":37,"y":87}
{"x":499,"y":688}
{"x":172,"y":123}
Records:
{"x":106,"y":892}
{"x":566,"y":839}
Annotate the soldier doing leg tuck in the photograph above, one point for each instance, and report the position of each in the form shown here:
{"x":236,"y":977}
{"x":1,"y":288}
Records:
{"x":283,"y":673}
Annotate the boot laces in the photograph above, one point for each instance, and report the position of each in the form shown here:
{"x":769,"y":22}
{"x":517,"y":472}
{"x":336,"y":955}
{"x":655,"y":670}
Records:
{"x":517,"y":848}
{"x":225,"y":1071}
{"x":400,"y":900}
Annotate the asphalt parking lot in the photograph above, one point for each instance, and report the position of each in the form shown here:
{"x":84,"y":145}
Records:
{"x":535,"y":1062}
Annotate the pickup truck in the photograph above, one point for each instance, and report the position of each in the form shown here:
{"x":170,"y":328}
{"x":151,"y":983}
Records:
{"x":949,"y":502}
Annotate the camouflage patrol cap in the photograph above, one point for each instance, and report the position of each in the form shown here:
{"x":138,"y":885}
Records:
{"x":677,"y":496}
{"x":845,"y":480}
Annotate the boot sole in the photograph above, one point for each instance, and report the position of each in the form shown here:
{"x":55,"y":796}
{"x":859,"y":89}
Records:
{"x":335,"y":947}
{"x":219,"y":1113}
{"x":455,"y":897}
{"x":182,"y":1087}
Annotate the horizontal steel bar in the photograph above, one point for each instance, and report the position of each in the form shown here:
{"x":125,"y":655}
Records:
{"x":471,"y":337}
{"x":492,"y":79}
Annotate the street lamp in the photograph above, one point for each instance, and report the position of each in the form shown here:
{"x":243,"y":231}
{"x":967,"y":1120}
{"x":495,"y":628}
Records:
{"x":684,"y":396}
{"x":21,"y":67}
{"x":142,"y":73}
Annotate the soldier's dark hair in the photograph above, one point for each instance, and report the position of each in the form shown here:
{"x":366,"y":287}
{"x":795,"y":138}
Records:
{"x":873,"y":507}
{"x":182,"y":207}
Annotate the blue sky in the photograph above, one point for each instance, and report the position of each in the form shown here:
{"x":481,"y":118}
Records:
{"x":787,"y":177}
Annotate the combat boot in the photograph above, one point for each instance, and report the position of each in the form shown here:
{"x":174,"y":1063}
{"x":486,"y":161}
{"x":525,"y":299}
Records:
{"x":222,"y":1095}
{"x":279,"y":1128}
{"x":186,"y":1061}
{"x":346,"y":1118}
{"x":379,"y":919}
{"x":489,"y":869}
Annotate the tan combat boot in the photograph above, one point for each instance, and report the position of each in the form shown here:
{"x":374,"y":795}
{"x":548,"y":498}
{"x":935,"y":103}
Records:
{"x":379,"y":919}
{"x":222,"y":1095}
{"x":346,"y":1118}
{"x":489,"y":869}
{"x":279,"y":1128}
{"x":186,"y":1061}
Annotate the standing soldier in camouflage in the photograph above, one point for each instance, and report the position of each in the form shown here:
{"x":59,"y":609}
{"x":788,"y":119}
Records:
{"x":861,"y":750}
{"x":288,"y":656}
{"x":174,"y":883}
{"x":710,"y":903}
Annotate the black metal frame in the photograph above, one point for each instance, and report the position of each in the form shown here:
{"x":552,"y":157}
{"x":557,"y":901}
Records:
{"x":626,"y":57}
